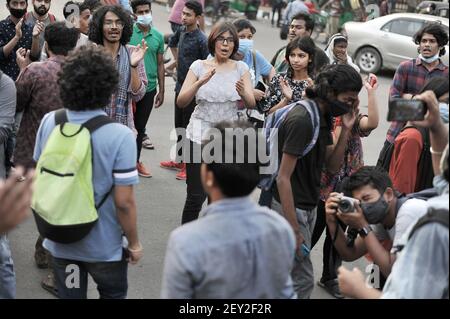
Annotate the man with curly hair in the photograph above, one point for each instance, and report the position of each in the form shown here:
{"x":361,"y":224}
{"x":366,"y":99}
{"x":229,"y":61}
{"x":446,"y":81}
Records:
{"x":112,"y":27}
{"x":87,"y":80}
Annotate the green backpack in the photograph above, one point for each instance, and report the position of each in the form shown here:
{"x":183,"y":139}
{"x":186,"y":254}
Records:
{"x":63,"y":201}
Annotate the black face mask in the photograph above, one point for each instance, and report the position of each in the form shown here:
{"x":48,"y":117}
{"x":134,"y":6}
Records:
{"x":338,"y":108}
{"x":17,"y":13}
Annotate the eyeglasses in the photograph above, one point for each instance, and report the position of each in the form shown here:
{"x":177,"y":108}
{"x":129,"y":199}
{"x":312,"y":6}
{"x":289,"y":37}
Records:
{"x":223,"y":39}
{"x":109,"y":24}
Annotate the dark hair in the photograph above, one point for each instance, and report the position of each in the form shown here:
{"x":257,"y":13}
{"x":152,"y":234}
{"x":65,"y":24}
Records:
{"x":8,"y":1}
{"x":93,"y":4}
{"x":438,"y":84}
{"x":195,"y":6}
{"x":96,"y":25}
{"x":87,"y":79}
{"x":309,"y":21}
{"x":219,"y":29}
{"x":60,"y":39}
{"x":242,"y":24}
{"x":81,"y":7}
{"x":136,"y":3}
{"x":367,"y":175}
{"x":240,"y":177}
{"x":436,"y":30}
{"x":306,"y":45}
{"x":336,"y":79}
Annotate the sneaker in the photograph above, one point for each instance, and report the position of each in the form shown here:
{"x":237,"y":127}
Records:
{"x":142,"y":170}
{"x":172,"y":165}
{"x":147,"y":144}
{"x":332,"y":287}
{"x":181,"y":176}
{"x":42,"y":258}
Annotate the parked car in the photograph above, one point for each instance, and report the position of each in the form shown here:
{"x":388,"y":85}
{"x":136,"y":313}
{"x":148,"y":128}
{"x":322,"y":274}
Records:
{"x":386,"y":41}
{"x":437,"y":8}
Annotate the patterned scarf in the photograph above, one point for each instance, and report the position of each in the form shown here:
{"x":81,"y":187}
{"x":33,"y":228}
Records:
{"x":118,"y":108}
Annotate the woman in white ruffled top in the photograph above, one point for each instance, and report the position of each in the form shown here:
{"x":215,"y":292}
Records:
{"x":222,"y":88}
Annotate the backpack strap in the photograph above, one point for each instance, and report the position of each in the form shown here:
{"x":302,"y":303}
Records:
{"x":92,"y":125}
{"x":97,"y":122}
{"x":61,"y":117}
{"x":433,"y":216}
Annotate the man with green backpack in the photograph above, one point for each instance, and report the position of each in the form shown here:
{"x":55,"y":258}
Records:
{"x":84,"y":203}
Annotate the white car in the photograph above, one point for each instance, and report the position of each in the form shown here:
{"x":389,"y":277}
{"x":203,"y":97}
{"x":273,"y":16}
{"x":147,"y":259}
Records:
{"x":387,"y":41}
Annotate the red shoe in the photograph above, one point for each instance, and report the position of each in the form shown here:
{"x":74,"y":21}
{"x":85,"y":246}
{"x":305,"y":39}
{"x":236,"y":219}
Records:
{"x":181,"y":176}
{"x":172,"y":165}
{"x":142,"y":170}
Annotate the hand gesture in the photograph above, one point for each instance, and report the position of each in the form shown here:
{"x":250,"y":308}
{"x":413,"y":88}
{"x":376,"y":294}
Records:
{"x":135,"y":253}
{"x":159,"y":99}
{"x":286,"y":89}
{"x":240,"y":87}
{"x":38,"y":29}
{"x":258,"y":94}
{"x":348,"y":119}
{"x":367,"y":84}
{"x":138,"y":53}
{"x":433,"y":116}
{"x":19,"y":29}
{"x":350,"y":281}
{"x":331,"y":207}
{"x":23,"y":58}
{"x":206,"y":77}
{"x":15,"y":199}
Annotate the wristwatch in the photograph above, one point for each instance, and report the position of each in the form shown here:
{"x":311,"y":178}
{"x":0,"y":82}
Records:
{"x":363,"y":232}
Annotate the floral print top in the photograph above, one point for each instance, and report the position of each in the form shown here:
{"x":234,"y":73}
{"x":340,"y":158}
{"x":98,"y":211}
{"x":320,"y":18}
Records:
{"x":274,"y":94}
{"x":353,"y":159}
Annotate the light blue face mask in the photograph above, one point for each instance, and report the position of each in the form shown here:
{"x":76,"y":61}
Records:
{"x":145,"y":20}
{"x":245,"y":45}
{"x":443,"y":109}
{"x":430,"y":59}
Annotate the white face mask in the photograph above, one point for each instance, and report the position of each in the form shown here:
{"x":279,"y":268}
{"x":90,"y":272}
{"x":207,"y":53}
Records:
{"x":430,"y":59}
{"x":145,"y":20}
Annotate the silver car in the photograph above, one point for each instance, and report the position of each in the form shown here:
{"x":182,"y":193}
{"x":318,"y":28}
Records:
{"x":387,"y":41}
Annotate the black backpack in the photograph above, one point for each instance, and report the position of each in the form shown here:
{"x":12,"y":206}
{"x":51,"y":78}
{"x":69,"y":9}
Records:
{"x":425,"y":173}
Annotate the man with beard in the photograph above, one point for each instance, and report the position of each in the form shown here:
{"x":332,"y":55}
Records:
{"x":16,"y":33}
{"x":302,"y":25}
{"x":40,"y":14}
{"x":111,"y":27}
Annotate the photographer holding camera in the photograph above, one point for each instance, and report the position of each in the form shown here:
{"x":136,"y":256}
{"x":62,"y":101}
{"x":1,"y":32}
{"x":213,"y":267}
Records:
{"x":376,"y":211}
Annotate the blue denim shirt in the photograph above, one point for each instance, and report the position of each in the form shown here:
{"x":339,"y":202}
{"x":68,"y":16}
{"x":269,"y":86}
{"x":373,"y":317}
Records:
{"x":237,"y":249}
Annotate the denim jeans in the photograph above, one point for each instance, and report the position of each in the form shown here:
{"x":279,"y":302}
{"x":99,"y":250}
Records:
{"x":72,"y":278}
{"x":7,"y":275}
{"x":302,"y":272}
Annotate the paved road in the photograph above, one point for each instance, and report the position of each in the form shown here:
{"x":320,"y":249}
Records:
{"x":161,"y":198}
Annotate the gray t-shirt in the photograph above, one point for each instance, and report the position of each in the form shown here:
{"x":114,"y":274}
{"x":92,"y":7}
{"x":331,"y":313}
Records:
{"x":7,"y":101}
{"x":31,"y":19}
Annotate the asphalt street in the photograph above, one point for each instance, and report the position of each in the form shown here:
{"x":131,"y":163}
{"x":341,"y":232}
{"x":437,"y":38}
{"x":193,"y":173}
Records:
{"x":160,"y":199}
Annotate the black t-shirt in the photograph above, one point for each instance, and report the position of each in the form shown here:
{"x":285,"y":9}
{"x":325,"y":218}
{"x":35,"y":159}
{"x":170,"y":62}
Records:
{"x":294,"y":135}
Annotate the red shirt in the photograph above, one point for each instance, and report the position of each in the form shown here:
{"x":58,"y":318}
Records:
{"x":403,"y":169}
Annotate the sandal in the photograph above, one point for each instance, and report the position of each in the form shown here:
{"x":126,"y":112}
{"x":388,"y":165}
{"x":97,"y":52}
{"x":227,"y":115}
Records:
{"x":49,"y":284}
{"x":332,"y":287}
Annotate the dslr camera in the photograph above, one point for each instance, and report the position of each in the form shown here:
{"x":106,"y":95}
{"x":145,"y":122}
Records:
{"x":347,"y":204}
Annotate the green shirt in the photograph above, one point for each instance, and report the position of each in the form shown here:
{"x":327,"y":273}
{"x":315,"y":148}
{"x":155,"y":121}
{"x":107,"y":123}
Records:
{"x":155,"y":43}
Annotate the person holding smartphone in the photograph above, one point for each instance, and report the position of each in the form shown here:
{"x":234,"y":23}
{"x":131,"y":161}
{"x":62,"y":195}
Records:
{"x":411,"y":166}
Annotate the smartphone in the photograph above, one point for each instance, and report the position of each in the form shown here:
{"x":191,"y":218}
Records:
{"x":404,"y":110}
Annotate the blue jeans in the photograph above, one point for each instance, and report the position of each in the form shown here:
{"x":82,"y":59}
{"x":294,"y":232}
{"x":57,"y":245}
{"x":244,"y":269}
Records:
{"x":72,"y":278}
{"x":7,"y":275}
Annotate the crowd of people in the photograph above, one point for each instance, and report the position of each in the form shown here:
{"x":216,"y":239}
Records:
{"x":75,"y":99}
